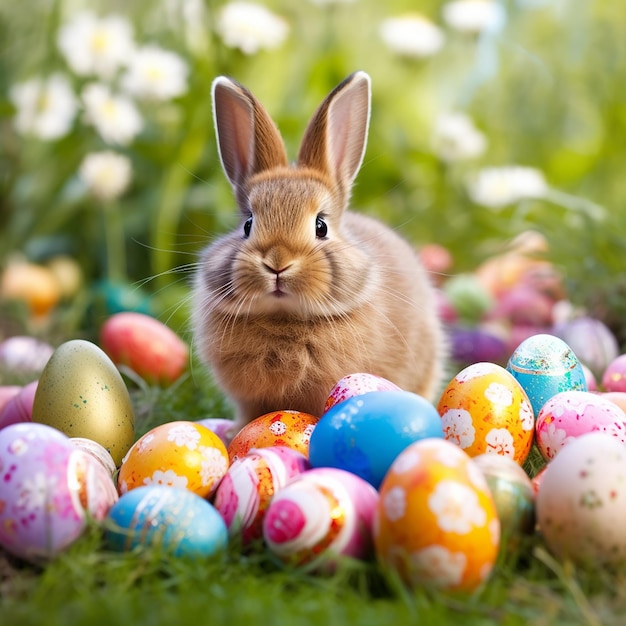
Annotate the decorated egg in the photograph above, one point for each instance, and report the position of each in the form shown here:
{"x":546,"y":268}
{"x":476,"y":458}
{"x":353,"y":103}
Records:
{"x":513,"y":495}
{"x":224,"y":428}
{"x":614,"y":376}
{"x":278,"y":428}
{"x":569,"y":414}
{"x":436,"y":523}
{"x":24,"y":355}
{"x":581,"y":500}
{"x":244,"y":493}
{"x":97,"y":451}
{"x":175,"y":454}
{"x":19,"y":407}
{"x":617,"y":397}
{"x":82,"y":394}
{"x":545,"y":365}
{"x":177,"y":521}
{"x":484,"y":409}
{"x":146,"y":345}
{"x":356,"y":385}
{"x":47,"y":489}
{"x":318,"y":516}
{"x":6,"y":393}
{"x":364,"y":434}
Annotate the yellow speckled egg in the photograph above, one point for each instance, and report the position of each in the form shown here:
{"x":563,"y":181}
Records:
{"x":485,"y":410}
{"x":436,"y":524}
{"x":179,"y":454}
{"x":82,"y":394}
{"x":278,"y":428}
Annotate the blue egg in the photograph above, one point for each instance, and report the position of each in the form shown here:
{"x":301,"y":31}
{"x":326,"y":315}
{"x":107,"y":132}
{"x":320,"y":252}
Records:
{"x":545,"y":365}
{"x":365,"y":433}
{"x":175,"y":520}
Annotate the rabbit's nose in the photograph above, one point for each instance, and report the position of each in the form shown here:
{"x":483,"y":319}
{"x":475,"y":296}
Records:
{"x":274,"y":270}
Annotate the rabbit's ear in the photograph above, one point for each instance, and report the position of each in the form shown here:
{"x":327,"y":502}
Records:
{"x":335,"y":139}
{"x":248,"y":139}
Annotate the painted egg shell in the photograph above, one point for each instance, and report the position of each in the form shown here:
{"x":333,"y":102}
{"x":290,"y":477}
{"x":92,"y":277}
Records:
{"x":278,"y":428}
{"x":19,"y":407}
{"x":24,"y":354}
{"x":582,"y":499}
{"x":174,"y":520}
{"x":364,"y":434}
{"x":356,"y":385}
{"x":244,"y":493}
{"x":569,"y":414}
{"x":47,"y":486}
{"x":146,"y":345}
{"x":6,"y":393}
{"x":545,"y":365}
{"x":484,"y":409}
{"x":97,"y":451}
{"x":224,"y":428}
{"x":82,"y":394}
{"x":513,"y":495}
{"x":436,"y":523}
{"x":319,"y":515}
{"x":617,"y":397}
{"x":176,"y":454}
{"x":614,"y":376}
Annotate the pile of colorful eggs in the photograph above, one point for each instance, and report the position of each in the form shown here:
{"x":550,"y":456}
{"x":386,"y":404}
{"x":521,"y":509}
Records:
{"x":432,"y":492}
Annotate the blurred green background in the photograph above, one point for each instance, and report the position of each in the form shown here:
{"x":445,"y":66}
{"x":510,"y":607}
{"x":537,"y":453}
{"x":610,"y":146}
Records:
{"x":532,"y":83}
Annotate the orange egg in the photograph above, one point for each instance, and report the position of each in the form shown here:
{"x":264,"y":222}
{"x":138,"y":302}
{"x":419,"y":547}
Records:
{"x":278,"y":428}
{"x":177,"y":454}
{"x":485,"y":410}
{"x":35,"y":285}
{"x":436,"y":524}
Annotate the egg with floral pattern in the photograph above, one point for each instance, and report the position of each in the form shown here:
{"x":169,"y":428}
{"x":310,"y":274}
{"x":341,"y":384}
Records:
{"x":278,"y":428}
{"x":485,"y":410}
{"x":569,"y":414}
{"x":179,"y":454}
{"x":436,"y":523}
{"x":356,"y":385}
{"x":250,"y":483}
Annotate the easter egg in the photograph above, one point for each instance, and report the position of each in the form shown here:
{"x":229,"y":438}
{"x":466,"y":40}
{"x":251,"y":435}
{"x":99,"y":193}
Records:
{"x":82,"y":394}
{"x":364,"y":434}
{"x":6,"y":393}
{"x":319,"y":516}
{"x":614,"y":376}
{"x":19,"y":407}
{"x":146,"y":345}
{"x":97,"y":451}
{"x":545,"y":365}
{"x":244,"y":493}
{"x":24,"y":355}
{"x":356,"y":385}
{"x":436,"y":523}
{"x":34,"y":285}
{"x":175,"y":454}
{"x":569,"y":414}
{"x":617,"y":397}
{"x":513,"y":495}
{"x":176,"y":521}
{"x":47,"y":491}
{"x":484,"y":409}
{"x":224,"y":428}
{"x":278,"y":428}
{"x":581,"y":500}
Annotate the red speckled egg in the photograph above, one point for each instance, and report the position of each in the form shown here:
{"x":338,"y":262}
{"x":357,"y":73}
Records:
{"x":485,"y":410}
{"x":177,"y":454}
{"x":356,"y":385}
{"x":278,"y":428}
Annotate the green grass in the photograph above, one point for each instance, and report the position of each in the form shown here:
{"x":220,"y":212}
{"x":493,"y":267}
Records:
{"x":87,"y":584}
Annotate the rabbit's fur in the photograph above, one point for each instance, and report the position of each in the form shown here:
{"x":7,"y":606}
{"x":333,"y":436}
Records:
{"x":304,"y":292}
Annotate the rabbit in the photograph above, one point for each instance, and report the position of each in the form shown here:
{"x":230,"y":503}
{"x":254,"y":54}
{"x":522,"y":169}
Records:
{"x":304,"y":291}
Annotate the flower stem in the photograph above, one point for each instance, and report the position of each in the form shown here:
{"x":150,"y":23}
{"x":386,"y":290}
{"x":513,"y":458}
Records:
{"x":115,"y":244}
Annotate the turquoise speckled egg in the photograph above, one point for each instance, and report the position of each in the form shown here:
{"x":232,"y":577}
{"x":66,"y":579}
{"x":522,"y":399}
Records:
{"x":545,"y":365}
{"x":175,"y":520}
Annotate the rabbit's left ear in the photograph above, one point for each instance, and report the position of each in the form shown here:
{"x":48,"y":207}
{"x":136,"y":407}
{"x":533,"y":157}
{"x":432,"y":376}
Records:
{"x":335,"y":139}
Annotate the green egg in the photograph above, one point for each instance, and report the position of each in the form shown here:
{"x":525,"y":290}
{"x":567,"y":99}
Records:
{"x":82,"y":394}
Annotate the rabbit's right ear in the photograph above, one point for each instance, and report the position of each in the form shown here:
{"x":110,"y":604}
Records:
{"x":247,"y":138}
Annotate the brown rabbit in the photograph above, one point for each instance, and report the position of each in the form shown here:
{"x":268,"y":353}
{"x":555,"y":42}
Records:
{"x":304,"y":291}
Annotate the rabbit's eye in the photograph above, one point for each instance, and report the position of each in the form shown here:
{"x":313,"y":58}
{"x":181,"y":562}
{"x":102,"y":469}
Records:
{"x":247,"y":226}
{"x":321,"y":228}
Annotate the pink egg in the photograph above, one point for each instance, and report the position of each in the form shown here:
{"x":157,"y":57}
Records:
{"x":25,"y":355}
{"x":569,"y":414}
{"x":244,"y":493}
{"x":356,"y":385}
{"x":6,"y":393}
{"x":19,"y":408}
{"x":320,"y":515}
{"x":224,"y":428}
{"x":48,"y":488}
{"x":614,"y":377}
{"x":590,"y":379}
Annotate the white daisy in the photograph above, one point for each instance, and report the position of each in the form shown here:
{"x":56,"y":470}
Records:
{"x":106,"y":174}
{"x":46,"y":107}
{"x":456,"y":138}
{"x":497,"y":187}
{"x":474,"y":16}
{"x":412,"y":35}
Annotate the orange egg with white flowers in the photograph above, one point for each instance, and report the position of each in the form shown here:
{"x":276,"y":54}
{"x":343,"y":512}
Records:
{"x":436,"y":524}
{"x":484,"y":409}
{"x":288,"y":428}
